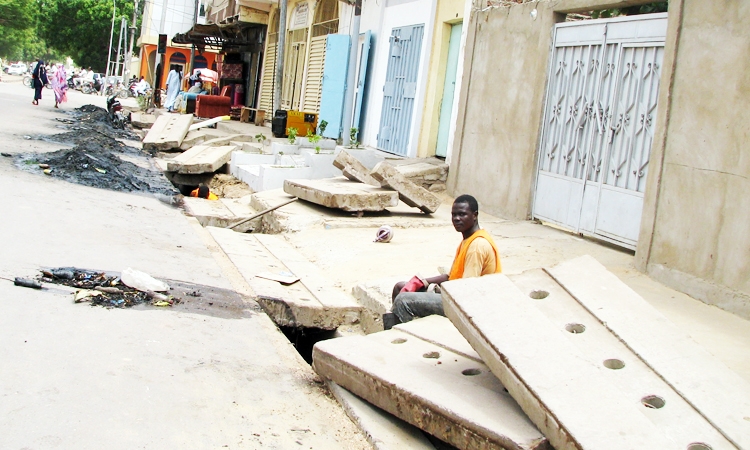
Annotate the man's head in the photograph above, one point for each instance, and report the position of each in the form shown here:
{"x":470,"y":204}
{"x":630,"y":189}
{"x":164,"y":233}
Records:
{"x":203,"y":191}
{"x":465,"y":214}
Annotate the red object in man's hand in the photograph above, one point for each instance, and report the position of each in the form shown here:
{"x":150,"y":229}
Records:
{"x":414,"y":285}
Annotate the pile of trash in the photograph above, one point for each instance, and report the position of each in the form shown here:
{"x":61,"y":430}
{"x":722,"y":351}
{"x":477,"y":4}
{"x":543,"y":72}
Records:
{"x":98,"y":157}
{"x":111,"y":291}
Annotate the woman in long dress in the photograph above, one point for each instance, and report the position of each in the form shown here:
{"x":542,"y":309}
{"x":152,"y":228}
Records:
{"x":40,"y":80}
{"x":59,"y":82}
{"x":173,"y":88}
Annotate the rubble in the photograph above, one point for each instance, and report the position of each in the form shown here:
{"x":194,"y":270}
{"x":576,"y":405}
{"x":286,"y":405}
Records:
{"x":408,"y":192}
{"x":342,"y":194}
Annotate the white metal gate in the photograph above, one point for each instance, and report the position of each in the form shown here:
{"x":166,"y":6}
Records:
{"x":598,"y":125}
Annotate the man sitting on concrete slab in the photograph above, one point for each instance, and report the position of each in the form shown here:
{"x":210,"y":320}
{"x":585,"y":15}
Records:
{"x":477,"y":255}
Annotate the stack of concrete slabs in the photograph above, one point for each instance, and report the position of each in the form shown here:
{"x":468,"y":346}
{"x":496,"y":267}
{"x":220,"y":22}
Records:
{"x":443,"y":391}
{"x":582,"y":386}
{"x":709,"y":386}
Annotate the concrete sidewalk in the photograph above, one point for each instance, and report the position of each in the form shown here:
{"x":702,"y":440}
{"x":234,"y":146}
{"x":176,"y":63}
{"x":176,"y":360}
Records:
{"x":75,"y":376}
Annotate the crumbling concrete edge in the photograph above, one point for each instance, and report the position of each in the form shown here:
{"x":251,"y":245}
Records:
{"x":358,"y":411}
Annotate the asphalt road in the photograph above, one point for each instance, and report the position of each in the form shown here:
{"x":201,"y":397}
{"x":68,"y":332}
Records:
{"x":74,"y":376}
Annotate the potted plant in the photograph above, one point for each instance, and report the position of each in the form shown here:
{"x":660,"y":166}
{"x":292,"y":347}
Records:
{"x":353,"y":142}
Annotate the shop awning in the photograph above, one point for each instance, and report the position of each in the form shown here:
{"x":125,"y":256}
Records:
{"x":219,"y":37}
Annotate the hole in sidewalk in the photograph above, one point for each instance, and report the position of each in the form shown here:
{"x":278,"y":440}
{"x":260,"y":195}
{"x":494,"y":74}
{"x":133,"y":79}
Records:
{"x":303,"y":339}
{"x":614,"y":364}
{"x":654,"y":402}
{"x":575,"y":328}
{"x":398,"y":341}
{"x":433,"y":355}
{"x":538,"y":295}
{"x":699,"y":446}
{"x":471,"y":372}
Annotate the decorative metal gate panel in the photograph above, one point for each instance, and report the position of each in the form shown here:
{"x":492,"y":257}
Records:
{"x":400,"y":89}
{"x":598,"y":125}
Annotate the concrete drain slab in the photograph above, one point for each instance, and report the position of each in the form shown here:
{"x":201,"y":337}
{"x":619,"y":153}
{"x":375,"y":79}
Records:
{"x":696,"y":376}
{"x":408,"y":192}
{"x":201,"y":159}
{"x":312,"y":302}
{"x":341,"y":193}
{"x":442,"y":392}
{"x":577,"y":382}
{"x":167,"y":132}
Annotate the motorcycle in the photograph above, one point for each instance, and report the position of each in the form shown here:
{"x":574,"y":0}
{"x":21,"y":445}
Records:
{"x":114,"y":108}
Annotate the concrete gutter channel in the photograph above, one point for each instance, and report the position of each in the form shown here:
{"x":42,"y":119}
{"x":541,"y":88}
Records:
{"x":466,"y":382}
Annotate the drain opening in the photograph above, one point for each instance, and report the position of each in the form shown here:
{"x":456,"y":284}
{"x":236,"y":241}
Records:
{"x":471,"y":372}
{"x":431,"y":355}
{"x":654,"y":402}
{"x":615,"y":364}
{"x":699,"y":446}
{"x":575,"y":328}
{"x":538,"y":295}
{"x":303,"y":339}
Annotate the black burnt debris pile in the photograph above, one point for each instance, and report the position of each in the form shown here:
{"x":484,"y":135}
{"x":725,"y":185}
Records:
{"x":99,"y":157}
{"x":102,"y":289}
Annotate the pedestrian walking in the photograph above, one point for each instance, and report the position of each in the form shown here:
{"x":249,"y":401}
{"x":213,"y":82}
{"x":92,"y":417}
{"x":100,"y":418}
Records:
{"x":59,"y":83}
{"x":173,"y":87}
{"x":40,"y":80}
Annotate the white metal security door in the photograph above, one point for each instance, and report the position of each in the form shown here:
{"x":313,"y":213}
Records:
{"x":400,"y":89}
{"x":598,"y":125}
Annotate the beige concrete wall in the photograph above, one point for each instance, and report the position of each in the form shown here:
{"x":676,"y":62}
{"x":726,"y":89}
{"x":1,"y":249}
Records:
{"x":696,"y":237}
{"x":448,"y":12}
{"x":501,"y":105}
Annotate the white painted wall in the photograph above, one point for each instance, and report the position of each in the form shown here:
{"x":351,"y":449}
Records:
{"x":179,"y":18}
{"x":395,"y":13}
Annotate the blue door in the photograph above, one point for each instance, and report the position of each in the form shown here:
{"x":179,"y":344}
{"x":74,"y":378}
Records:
{"x":334,"y":84}
{"x":362,"y":78}
{"x":449,"y":87}
{"x":400,"y":89}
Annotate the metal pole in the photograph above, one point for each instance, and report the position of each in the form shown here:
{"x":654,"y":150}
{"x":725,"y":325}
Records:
{"x":157,"y":59}
{"x":129,"y":56}
{"x":109,"y":53}
{"x":116,"y":71}
{"x":346,"y":121}
{"x":279,"y":57}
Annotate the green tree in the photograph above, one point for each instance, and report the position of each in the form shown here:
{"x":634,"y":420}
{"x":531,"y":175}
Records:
{"x":80,"y":28}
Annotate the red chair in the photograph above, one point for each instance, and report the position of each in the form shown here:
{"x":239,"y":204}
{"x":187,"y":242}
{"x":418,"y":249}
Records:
{"x":210,"y":106}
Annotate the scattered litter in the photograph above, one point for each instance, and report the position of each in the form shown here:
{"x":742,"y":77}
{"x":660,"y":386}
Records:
{"x":44,"y":166}
{"x":24,"y":282}
{"x":48,"y":171}
{"x":85,"y":295}
{"x":7,"y":155}
{"x":281,"y":277}
{"x":142,"y":281}
{"x":107,"y":290}
{"x":100,"y":170}
{"x":27,"y":137}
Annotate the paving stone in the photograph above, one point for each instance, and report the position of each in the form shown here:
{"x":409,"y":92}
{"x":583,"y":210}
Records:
{"x":408,"y":192}
{"x":341,"y":193}
{"x":571,"y":400}
{"x":718,"y":393}
{"x":353,"y":169}
{"x":440,"y":331}
{"x":201,"y":159}
{"x":454,"y":398}
{"x":312,"y":302}
{"x":197,"y":137}
{"x":167,"y":132}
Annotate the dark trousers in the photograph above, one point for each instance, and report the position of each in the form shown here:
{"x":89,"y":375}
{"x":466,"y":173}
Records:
{"x":38,"y":91}
{"x":411,"y":305}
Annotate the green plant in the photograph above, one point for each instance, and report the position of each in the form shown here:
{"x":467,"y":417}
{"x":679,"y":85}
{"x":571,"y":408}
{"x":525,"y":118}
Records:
{"x":322,"y":127}
{"x":353,"y":142}
{"x":142,"y":102}
{"x":314,"y":139}
{"x":261,"y":139}
{"x":292,"y":134}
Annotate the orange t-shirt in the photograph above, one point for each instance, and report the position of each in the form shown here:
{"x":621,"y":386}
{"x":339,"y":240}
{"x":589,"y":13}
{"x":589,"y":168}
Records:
{"x":211,"y":195}
{"x":476,"y":257}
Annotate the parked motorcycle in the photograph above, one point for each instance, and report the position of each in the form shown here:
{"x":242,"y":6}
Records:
{"x":114,"y":108}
